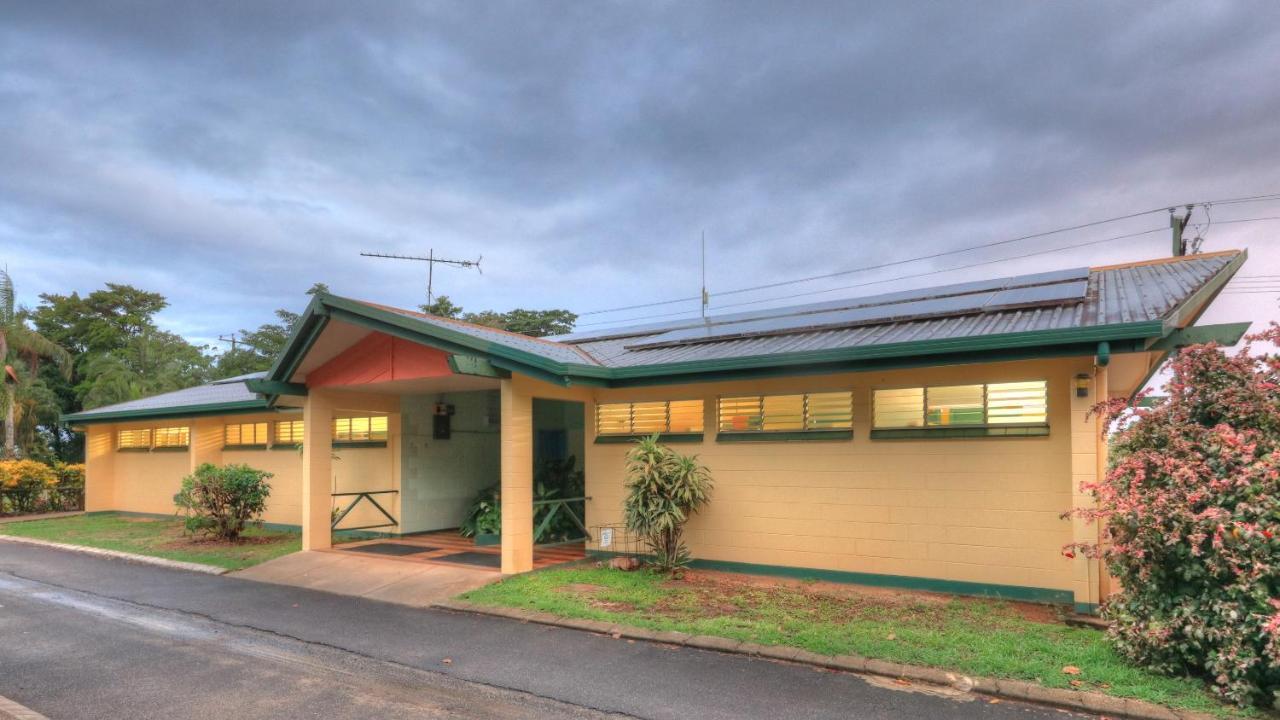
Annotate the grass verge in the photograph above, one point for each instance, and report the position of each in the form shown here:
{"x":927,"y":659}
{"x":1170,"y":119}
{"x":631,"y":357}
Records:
{"x":973,"y":636}
{"x":162,"y":538}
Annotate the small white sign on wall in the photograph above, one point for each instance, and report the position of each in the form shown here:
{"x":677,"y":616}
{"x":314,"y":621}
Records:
{"x":606,"y":537}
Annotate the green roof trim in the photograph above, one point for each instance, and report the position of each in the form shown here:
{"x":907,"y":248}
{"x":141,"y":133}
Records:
{"x":1226,"y":334}
{"x":230,"y":408}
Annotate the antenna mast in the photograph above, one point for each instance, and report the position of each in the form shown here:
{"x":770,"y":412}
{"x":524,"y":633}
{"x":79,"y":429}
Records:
{"x":431,"y":261}
{"x":705,"y":297}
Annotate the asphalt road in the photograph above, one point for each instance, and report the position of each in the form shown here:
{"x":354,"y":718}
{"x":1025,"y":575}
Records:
{"x":89,"y":637}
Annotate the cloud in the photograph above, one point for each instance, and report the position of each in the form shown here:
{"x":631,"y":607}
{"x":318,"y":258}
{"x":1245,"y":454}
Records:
{"x":229,"y":155}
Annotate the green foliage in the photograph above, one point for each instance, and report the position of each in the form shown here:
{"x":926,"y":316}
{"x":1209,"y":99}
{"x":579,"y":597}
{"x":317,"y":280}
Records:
{"x":554,"y":480}
{"x":535,"y":323}
{"x":23,"y":399}
{"x":257,"y":349}
{"x":968,"y":636}
{"x":664,"y":488}
{"x":220,"y":501}
{"x":1189,"y":509}
{"x":484,"y":517}
{"x":158,"y":537}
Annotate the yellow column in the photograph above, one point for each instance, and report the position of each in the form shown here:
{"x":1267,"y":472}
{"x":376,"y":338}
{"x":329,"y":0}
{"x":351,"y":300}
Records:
{"x":317,"y":471}
{"x":99,"y":471}
{"x":207,"y":435}
{"x":1103,"y":390}
{"x":517,"y":476}
{"x":1084,"y":468}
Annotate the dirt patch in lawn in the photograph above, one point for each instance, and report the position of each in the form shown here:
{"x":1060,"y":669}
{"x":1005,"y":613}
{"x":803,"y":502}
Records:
{"x":721,"y":593}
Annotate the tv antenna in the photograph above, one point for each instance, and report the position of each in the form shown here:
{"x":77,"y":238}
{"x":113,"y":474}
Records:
{"x":431,"y":261}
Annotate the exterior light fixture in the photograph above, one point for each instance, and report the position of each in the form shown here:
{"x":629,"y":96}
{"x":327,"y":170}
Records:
{"x":1082,"y":385}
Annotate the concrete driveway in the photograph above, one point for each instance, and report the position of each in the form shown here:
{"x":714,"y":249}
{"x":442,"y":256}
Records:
{"x":90,"y":637}
{"x":388,"y":579}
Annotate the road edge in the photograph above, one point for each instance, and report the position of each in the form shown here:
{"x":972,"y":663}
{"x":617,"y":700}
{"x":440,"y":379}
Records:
{"x":11,"y":710}
{"x":120,"y":555}
{"x":1020,"y":690}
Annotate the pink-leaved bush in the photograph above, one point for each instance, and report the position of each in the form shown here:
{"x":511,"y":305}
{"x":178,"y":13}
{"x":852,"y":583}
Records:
{"x":1190,"y":509}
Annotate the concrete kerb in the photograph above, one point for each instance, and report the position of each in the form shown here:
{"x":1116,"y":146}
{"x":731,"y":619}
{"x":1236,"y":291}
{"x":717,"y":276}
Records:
{"x":120,"y":555}
{"x":1007,"y":689}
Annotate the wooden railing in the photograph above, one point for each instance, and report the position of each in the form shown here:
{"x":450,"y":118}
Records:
{"x":554,"y":508}
{"x":359,"y":497}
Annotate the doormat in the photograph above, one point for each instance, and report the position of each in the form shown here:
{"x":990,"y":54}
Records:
{"x":489,"y":560}
{"x":394,"y":549}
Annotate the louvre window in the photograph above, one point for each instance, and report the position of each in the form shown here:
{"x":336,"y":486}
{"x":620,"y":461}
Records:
{"x":134,"y":439}
{"x":246,"y":434}
{"x":172,"y":437}
{"x":645,"y":418}
{"x":360,"y":429}
{"x":786,"y":413}
{"x":993,"y":404}
{"x":289,"y":432}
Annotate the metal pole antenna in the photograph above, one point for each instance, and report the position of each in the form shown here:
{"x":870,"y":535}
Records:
{"x":705,"y":297}
{"x":431,"y":261}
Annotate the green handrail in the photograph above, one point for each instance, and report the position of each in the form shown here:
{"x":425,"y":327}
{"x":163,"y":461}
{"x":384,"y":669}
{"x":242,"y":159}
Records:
{"x":558,"y":504}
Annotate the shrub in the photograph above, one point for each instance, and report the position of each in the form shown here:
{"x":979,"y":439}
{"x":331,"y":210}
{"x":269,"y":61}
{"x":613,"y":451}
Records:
{"x":1190,"y":506}
{"x":69,"y":473}
{"x":664,"y":488}
{"x":220,"y":501}
{"x":26,"y":474}
{"x":553,"y":480}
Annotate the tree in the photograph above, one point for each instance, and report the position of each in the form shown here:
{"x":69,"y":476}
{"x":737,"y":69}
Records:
{"x":258,"y":349}
{"x":664,"y":488}
{"x":20,"y":342}
{"x":1189,"y":509}
{"x":535,"y":323}
{"x":442,"y":307}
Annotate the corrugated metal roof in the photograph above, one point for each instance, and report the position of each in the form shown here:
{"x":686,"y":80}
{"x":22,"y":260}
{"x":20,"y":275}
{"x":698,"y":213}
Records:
{"x":218,"y":392}
{"x":560,"y":352}
{"x":1120,"y":294}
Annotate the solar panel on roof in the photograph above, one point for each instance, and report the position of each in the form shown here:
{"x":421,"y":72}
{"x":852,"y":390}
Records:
{"x":1017,"y":281}
{"x":880,"y":309}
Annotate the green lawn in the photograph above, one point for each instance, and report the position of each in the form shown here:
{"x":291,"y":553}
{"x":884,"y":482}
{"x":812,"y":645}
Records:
{"x":158,"y":538}
{"x":972,"y":636}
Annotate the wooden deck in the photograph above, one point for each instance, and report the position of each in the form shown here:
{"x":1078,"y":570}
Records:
{"x":447,"y":547}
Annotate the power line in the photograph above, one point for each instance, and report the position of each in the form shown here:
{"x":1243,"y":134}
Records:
{"x":934,"y":256}
{"x":910,"y":276}
{"x":1073,"y":246}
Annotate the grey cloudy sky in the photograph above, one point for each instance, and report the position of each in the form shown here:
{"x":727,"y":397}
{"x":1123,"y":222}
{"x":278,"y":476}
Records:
{"x":230,"y":154}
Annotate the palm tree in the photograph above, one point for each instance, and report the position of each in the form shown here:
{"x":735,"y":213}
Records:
{"x":22,"y":341}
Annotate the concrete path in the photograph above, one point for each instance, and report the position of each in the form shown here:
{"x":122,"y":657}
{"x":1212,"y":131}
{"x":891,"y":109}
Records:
{"x":92,"y":637}
{"x":39,"y":516}
{"x":405,"y":582}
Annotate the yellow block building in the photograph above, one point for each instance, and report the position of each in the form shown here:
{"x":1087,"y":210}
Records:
{"x":928,"y":439}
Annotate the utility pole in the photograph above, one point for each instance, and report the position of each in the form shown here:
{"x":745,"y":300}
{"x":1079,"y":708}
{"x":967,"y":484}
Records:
{"x":431,"y":261}
{"x":1178,"y":225}
{"x":235,"y":342}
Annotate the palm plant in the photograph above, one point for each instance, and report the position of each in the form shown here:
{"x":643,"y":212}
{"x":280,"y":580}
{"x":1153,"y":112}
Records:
{"x":19,"y":341}
{"x":664,"y":489}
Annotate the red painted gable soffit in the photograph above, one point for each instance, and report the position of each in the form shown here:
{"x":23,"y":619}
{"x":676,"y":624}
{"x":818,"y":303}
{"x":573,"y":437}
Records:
{"x":380,"y":358}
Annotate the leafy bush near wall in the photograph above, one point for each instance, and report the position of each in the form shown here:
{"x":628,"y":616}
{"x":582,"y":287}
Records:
{"x":664,"y":488}
{"x":553,"y":480}
{"x":26,"y":474}
{"x":221,"y":501}
{"x":70,"y":474}
{"x":1191,"y":513}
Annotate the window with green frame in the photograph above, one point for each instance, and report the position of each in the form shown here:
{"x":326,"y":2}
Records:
{"x":134,"y":439}
{"x":360,"y":429}
{"x":289,"y":432}
{"x":991,"y":405}
{"x":803,"y":412}
{"x":646,"y":418}
{"x":245,"y":434}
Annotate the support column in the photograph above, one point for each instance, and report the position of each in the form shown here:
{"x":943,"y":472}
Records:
{"x":207,"y":435}
{"x":517,"y":477}
{"x":1102,"y":386}
{"x":99,"y":471}
{"x":317,"y":471}
{"x":1084,"y":468}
